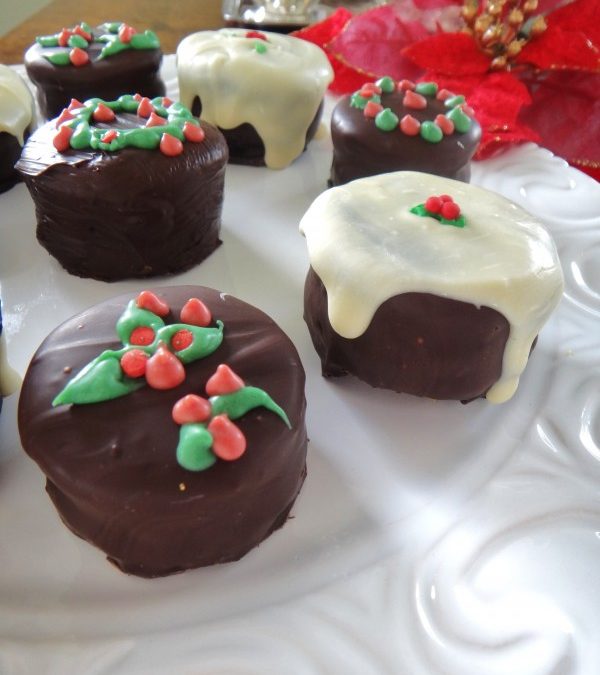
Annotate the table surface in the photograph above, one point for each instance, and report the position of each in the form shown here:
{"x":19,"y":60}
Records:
{"x":170,"y":20}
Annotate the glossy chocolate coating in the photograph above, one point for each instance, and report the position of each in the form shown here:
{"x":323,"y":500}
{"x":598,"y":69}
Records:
{"x":111,"y":467}
{"x":244,"y":143}
{"x":416,"y":343}
{"x":130,"y":71}
{"x":130,"y":213}
{"x":10,"y":151}
{"x":360,"y":149}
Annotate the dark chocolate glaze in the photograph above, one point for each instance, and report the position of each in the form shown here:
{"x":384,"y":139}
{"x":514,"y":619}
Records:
{"x":125,"y":214}
{"x":10,"y":151}
{"x":416,"y":343}
{"x":130,"y":71}
{"x":360,"y":149}
{"x":111,"y":467}
{"x":244,"y":143}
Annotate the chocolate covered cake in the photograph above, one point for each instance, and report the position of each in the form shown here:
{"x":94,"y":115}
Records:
{"x":126,"y":188}
{"x":427,"y":286}
{"x":402,"y":126}
{"x":170,"y":427}
{"x":263,"y":90}
{"x":83,"y":62}
{"x":16,"y":118}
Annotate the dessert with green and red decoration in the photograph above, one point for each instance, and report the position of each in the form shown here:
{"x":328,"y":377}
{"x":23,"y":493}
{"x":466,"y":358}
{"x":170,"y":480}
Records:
{"x":83,"y":62}
{"x":400,"y":125}
{"x":131,"y":187}
{"x":170,"y":425}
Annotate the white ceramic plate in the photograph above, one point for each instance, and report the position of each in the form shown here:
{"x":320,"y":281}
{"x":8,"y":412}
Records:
{"x":430,"y":537}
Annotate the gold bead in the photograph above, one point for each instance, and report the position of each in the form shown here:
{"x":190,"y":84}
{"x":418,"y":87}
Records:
{"x":514,"y":48}
{"x":495,"y":8}
{"x":499,"y":63}
{"x":492,"y":34}
{"x":530,"y":6}
{"x":482,"y":23}
{"x":468,"y":13}
{"x":515,"y":17}
{"x":538,"y":26}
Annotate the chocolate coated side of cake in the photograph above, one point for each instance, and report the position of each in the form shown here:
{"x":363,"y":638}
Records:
{"x":124,"y":73}
{"x":132,"y":213}
{"x":111,"y":467}
{"x":416,"y":343}
{"x":10,"y":151}
{"x":360,"y":149}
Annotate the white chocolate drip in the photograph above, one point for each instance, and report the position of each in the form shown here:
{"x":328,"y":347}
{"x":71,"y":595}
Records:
{"x":278,"y":92}
{"x":16,"y":104}
{"x":366,"y":246}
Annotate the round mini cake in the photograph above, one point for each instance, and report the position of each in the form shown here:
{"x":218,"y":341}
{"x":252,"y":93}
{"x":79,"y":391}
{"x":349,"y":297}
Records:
{"x":16,"y":117}
{"x":82,"y":62}
{"x":402,"y":126}
{"x":263,"y":90}
{"x":170,"y":426}
{"x":427,"y":285}
{"x":126,"y":188}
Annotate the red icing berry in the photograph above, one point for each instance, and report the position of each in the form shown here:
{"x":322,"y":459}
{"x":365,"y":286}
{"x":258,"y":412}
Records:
{"x":193,"y":132}
{"x":78,"y":30}
{"x":142,"y":336}
{"x":64,"y":116}
{"x":182,"y":339}
{"x":443,"y":94}
{"x":78,"y":57}
{"x":109,"y":136}
{"x":433,"y":204}
{"x":410,"y":125}
{"x":467,"y":110}
{"x":137,"y":97}
{"x":446,"y":198}
{"x":170,"y":146}
{"x":257,"y":35}
{"x":369,"y":89}
{"x":150,"y":301}
{"x":196,"y":313}
{"x":125,"y":33}
{"x":223,"y":381}
{"x":191,"y":409}
{"x":133,"y":363}
{"x":414,"y":100}
{"x":229,"y":443}
{"x":62,"y":138}
{"x":445,"y":124}
{"x":155,"y":120}
{"x":63,"y":37}
{"x":103,"y":113}
{"x":450,"y":210}
{"x":406,"y":85}
{"x":164,"y":370}
{"x":75,"y":104}
{"x":372,"y":109}
{"x":145,"y":107}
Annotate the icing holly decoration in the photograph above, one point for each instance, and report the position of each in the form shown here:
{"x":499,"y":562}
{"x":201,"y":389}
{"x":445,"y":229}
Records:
{"x":368,"y":98}
{"x":443,"y":208}
{"x":207,"y":430}
{"x":151,"y":354}
{"x":115,"y":37}
{"x":164,"y":125}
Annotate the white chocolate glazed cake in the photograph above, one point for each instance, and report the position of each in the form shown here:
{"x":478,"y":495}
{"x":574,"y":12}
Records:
{"x":275,"y":83}
{"x":16,"y":104}
{"x":367,"y":246}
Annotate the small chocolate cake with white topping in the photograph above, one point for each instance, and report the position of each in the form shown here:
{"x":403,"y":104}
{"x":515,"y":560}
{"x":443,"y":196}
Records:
{"x":170,"y":427}
{"x":126,"y":188}
{"x":83,"y":62}
{"x":402,"y":126}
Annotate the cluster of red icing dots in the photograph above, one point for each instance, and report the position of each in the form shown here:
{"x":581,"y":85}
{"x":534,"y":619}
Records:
{"x":228,"y":441}
{"x":444,"y":206}
{"x":162,"y":370}
{"x":68,"y":38}
{"x":256,"y":35}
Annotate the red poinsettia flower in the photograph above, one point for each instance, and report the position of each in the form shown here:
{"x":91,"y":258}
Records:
{"x":548,"y":89}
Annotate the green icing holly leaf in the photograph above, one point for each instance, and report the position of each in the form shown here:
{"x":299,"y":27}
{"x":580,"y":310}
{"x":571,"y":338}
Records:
{"x":47,"y":40}
{"x":205,"y":341}
{"x":146,"y":40}
{"x":243,"y":400}
{"x":100,"y":380}
{"x":58,"y":59}
{"x":133,"y":317}
{"x":193,"y":449}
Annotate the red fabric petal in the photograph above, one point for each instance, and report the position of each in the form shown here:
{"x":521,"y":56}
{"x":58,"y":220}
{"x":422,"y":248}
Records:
{"x":565,"y":112}
{"x":373,"y":42}
{"x":556,"y":47}
{"x":323,"y":32}
{"x":449,"y":53}
{"x":582,"y":15}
